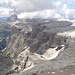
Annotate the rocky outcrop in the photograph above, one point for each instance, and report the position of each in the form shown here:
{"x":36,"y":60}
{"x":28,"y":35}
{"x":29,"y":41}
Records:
{"x":36,"y":37}
{"x":5,"y":63}
{"x":33,"y":43}
{"x":23,"y":61}
{"x":12,"y":18}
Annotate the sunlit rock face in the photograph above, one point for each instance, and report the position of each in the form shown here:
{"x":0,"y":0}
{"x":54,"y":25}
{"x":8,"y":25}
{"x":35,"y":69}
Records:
{"x":40,"y":43}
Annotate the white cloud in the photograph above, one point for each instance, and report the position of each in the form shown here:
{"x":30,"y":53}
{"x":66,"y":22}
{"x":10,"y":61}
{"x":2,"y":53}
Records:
{"x":37,"y":8}
{"x":58,"y":3}
{"x":64,"y":7}
{"x":70,"y":1}
{"x":40,"y":14}
{"x":68,"y":13}
{"x":5,"y":11}
{"x":4,"y":1}
{"x":57,"y":16}
{"x":31,"y":5}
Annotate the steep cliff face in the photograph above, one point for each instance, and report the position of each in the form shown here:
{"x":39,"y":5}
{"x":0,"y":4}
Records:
{"x":5,"y":63}
{"x":12,"y":18}
{"x":38,"y":37}
{"x":37,"y":41}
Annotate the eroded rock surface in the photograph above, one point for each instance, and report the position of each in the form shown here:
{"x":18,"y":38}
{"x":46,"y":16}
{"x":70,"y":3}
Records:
{"x":5,"y":63}
{"x":37,"y":46}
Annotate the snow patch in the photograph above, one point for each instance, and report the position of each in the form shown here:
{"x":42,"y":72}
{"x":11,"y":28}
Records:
{"x":51,"y":53}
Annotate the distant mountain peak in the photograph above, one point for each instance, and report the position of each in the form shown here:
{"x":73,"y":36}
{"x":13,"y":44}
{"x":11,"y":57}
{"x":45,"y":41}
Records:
{"x":12,"y":18}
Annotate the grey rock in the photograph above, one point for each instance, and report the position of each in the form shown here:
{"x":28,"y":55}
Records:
{"x":36,"y":37}
{"x":12,"y":18}
{"x":5,"y":63}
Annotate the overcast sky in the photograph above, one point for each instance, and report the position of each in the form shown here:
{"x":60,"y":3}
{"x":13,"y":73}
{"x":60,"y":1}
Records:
{"x":38,"y":8}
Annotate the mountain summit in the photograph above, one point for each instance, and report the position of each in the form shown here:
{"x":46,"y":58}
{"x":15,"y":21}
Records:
{"x":12,"y":18}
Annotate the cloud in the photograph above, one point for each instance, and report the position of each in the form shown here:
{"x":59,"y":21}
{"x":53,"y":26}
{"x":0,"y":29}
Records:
{"x":70,"y":1}
{"x":31,"y":5}
{"x":38,"y":8}
{"x":65,"y":8}
{"x":5,"y":11}
{"x":68,"y":13}
{"x":20,"y":6}
{"x":4,"y":1}
{"x":51,"y":13}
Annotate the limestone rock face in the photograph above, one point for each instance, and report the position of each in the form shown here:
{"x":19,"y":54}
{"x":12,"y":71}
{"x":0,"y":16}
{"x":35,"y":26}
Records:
{"x":32,"y":45}
{"x":12,"y":18}
{"x":23,"y":61}
{"x":5,"y":63}
{"x":36,"y":35}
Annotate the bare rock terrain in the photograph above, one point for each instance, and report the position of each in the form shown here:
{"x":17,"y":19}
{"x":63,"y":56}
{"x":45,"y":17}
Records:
{"x":39,"y":46}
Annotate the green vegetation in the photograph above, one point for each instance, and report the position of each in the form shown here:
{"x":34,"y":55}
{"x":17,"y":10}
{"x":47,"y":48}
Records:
{"x":4,"y":32}
{"x":1,"y":27}
{"x":5,"y":27}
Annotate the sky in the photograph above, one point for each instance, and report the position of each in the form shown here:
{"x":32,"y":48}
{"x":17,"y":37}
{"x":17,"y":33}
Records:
{"x":38,"y":8}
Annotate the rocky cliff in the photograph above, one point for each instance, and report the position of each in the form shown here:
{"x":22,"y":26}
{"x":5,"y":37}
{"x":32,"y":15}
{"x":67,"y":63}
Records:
{"x":12,"y":18}
{"x":36,"y":35}
{"x":5,"y":63}
{"x":34,"y":46}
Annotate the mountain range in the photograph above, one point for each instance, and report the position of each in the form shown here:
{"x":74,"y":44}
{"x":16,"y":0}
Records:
{"x":38,"y":45}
